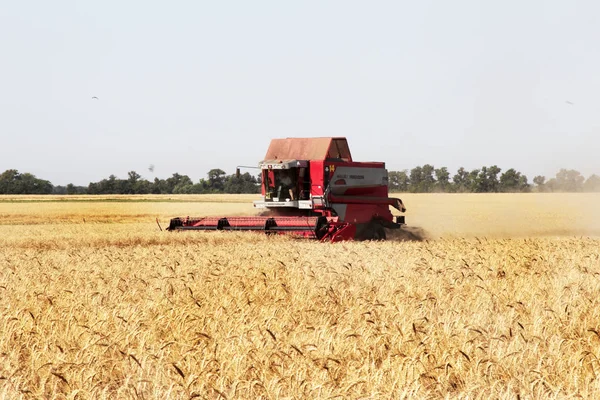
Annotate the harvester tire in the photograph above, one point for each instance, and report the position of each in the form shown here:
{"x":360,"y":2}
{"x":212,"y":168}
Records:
{"x":374,"y":230}
{"x":378,"y":233}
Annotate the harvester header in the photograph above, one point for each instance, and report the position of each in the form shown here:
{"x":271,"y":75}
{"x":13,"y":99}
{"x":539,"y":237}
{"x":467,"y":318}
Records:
{"x":311,"y":187}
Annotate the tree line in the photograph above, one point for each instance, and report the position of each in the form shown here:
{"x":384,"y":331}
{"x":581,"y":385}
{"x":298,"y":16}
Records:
{"x":421,"y":179}
{"x":487,"y":179}
{"x":217,"y":181}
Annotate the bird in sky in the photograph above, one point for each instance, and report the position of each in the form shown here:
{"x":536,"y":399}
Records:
{"x":151,"y":168}
{"x":568,"y":102}
{"x":94,"y":97}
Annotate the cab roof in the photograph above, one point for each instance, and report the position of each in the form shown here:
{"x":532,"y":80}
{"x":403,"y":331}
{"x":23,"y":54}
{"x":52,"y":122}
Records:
{"x":320,"y":148}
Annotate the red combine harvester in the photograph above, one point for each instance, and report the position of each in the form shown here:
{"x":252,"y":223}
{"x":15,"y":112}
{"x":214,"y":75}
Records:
{"x":311,"y":188}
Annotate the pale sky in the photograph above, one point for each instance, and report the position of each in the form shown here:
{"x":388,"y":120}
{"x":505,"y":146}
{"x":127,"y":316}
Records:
{"x":192,"y":85}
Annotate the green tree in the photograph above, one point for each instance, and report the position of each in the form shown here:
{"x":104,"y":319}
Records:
{"x":486,"y":180}
{"x":524,"y":185}
{"x":513,"y":181}
{"x":592,"y":184}
{"x":176,"y":183}
{"x":8,"y":181}
{"x":133,"y":177}
{"x":540,"y":182}
{"x":461,"y":180}
{"x":59,"y":189}
{"x":184,"y":188}
{"x":216,"y":179}
{"x":474,"y":181}
{"x":13,"y":182}
{"x":184,"y":185}
{"x":491,"y":179}
{"x":416,"y":179}
{"x":427,"y":181}
{"x":245,"y":183}
{"x":442,"y":177}
{"x":202,"y":186}
{"x":398,"y":181}
{"x":71,"y":189}
{"x":142,"y":186}
{"x":111,"y":185}
{"x":157,"y":186}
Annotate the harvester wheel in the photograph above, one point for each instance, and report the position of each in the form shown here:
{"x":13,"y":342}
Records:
{"x":378,"y":233}
{"x":374,"y":230}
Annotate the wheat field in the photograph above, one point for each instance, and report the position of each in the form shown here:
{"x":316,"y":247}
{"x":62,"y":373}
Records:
{"x":501,"y":301}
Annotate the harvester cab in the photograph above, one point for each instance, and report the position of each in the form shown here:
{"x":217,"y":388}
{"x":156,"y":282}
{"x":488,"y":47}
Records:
{"x":285,"y":184}
{"x":311,"y":187}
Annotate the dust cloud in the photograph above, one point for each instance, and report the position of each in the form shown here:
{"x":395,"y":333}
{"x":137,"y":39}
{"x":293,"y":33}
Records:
{"x":505,"y":215}
{"x":407,"y":234}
